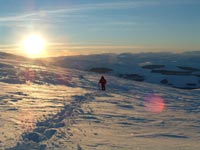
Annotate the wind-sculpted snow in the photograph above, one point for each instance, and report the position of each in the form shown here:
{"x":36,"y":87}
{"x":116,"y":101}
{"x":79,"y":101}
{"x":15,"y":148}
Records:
{"x":49,"y":108}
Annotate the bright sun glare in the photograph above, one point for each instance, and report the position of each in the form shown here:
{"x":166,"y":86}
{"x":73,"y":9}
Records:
{"x":34,"y":45}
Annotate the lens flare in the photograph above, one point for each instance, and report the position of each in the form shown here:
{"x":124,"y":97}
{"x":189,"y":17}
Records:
{"x":154,"y":103}
{"x":27,"y":75}
{"x":63,"y":80}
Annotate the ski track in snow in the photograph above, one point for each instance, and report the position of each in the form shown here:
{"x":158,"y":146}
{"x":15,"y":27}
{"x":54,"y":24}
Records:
{"x":69,"y":112}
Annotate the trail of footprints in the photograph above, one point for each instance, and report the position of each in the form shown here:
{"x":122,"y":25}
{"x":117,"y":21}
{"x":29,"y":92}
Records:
{"x":45,"y":130}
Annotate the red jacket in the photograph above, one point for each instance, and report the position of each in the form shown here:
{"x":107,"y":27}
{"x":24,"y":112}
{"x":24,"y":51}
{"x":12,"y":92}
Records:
{"x":102,"y":81}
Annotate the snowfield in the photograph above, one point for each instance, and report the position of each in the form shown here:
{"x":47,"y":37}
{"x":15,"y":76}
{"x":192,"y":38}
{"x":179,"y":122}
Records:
{"x":52,"y":108}
{"x":179,"y":70}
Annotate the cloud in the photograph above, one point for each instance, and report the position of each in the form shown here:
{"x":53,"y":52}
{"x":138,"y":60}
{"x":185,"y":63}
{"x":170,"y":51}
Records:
{"x":16,"y":18}
{"x":66,"y":11}
{"x":77,"y":8}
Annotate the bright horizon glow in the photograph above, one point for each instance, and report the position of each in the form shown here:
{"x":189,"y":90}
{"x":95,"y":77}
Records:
{"x":93,"y":27}
{"x":34,"y":45}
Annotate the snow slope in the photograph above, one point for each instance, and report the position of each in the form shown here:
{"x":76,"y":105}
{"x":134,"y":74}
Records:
{"x":180,"y":70}
{"x":49,"y":108}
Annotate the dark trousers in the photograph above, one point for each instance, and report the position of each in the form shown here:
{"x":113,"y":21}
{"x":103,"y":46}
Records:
{"x":103,"y":87}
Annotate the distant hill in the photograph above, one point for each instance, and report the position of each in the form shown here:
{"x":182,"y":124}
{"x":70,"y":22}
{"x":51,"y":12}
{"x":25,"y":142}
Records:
{"x":4,"y":55}
{"x":180,"y":70}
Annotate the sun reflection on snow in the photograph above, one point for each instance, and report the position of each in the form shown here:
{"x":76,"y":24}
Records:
{"x":27,"y":120}
{"x":154,"y":103}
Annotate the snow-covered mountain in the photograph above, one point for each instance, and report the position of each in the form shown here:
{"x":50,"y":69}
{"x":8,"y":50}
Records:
{"x":180,"y":70}
{"x":46,"y":107}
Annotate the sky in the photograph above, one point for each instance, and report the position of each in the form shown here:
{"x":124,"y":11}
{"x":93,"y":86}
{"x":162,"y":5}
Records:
{"x":73,"y":27}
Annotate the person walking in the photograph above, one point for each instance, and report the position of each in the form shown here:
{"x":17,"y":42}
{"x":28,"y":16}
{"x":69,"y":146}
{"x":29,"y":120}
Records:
{"x":103,"y":82}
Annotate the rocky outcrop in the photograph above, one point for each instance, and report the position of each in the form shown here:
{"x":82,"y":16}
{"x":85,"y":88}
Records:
{"x":153,"y":66}
{"x":164,"y":81}
{"x":172,"y":72}
{"x":101,"y":70}
{"x":135,"y":77}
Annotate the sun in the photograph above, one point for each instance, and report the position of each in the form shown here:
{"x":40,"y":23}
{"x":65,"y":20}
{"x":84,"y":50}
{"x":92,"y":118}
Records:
{"x":34,"y":45}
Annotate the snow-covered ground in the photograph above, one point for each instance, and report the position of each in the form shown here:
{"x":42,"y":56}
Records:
{"x":180,"y":70}
{"x":52,"y":108}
